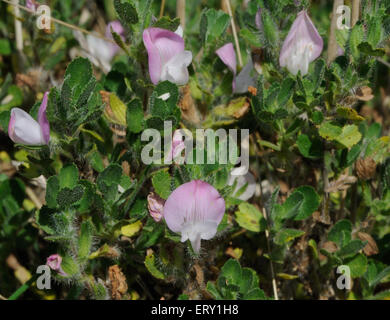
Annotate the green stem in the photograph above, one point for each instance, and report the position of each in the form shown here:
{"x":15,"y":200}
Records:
{"x":269,"y":145}
{"x":23,"y":288}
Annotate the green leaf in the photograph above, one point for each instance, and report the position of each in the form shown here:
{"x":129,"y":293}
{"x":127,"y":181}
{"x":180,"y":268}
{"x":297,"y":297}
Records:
{"x":349,"y":114}
{"x":231,"y":271}
{"x":67,"y":197}
{"x":309,"y":149}
{"x":111,"y":176}
{"x":70,"y":266}
{"x":135,"y":116}
{"x":286,"y":235}
{"x":212,"y":289}
{"x":52,"y":189}
{"x":374,"y":34}
{"x":310,"y":204}
{"x":167,"y":23}
{"x":5,"y":47}
{"x":254,"y":294}
{"x":292,"y":206}
{"x":351,"y":249}
{"x":271,"y":32}
{"x":78,"y":74}
{"x":329,"y":131}
{"x":150,"y":264}
{"x":341,"y":233}
{"x":118,"y":109}
{"x":45,"y":220}
{"x":250,"y":218}
{"x":382,"y":275}
{"x":162,"y":183}
{"x":126,"y":11}
{"x":319,"y":72}
{"x":131,"y":229}
{"x":213,"y":24}
{"x":68,"y":176}
{"x":250,"y":37}
{"x":367,"y":49}
{"x":349,"y":136}
{"x":356,"y":37}
{"x":286,"y":91}
{"x":85,"y":240}
{"x":358,"y":265}
{"x":96,"y":161}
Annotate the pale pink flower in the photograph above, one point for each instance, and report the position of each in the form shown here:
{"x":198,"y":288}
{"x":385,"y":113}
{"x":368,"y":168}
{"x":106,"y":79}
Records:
{"x":23,"y":129}
{"x":244,"y":79}
{"x":302,"y":45}
{"x":195,"y":209}
{"x":168,"y":60}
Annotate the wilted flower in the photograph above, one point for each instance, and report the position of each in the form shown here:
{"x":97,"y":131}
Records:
{"x":244,"y":78}
{"x":167,"y":58}
{"x":54,"y":263}
{"x":155,"y":206}
{"x":98,"y":50}
{"x":245,"y":185}
{"x":195,"y":209}
{"x":302,"y":45}
{"x":25,"y":130}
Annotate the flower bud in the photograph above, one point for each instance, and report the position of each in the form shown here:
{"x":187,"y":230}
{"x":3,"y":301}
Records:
{"x":54,"y":263}
{"x":155,"y":206}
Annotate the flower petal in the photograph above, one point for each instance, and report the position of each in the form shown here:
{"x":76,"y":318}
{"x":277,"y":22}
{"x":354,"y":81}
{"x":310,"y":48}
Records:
{"x":228,"y":56}
{"x":175,"y":70}
{"x":302,"y":45}
{"x":245,"y":78}
{"x":195,"y":210}
{"x":42,"y":119}
{"x":24,"y":129}
{"x":162,"y":45}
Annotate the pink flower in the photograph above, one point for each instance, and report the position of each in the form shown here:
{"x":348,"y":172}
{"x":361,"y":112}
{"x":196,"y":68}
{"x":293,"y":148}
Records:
{"x":117,"y":28}
{"x":177,"y":147}
{"x":244,"y":79}
{"x":195,"y":209}
{"x":25,"y":130}
{"x":30,"y":4}
{"x":167,"y":58}
{"x":54,"y":262}
{"x":228,"y":57}
{"x":155,"y":206}
{"x":302,"y":45}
